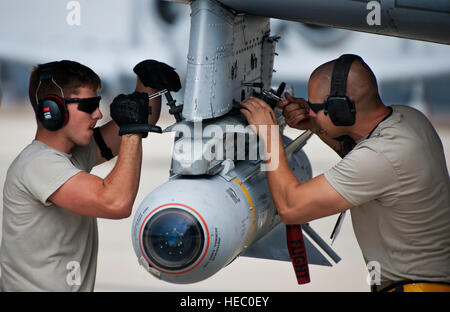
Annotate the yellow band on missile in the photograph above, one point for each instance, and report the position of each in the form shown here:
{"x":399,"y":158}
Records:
{"x":252,"y":207}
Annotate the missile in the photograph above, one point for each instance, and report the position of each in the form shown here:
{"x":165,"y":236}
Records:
{"x":189,"y":228}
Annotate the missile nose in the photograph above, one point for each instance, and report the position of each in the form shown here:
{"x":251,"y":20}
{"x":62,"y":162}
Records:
{"x":173,"y":239}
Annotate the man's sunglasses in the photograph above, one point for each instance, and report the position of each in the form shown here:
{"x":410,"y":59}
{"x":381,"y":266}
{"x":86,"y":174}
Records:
{"x":87,"y":105}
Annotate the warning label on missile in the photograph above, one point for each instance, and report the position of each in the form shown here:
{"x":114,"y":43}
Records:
{"x":215,"y":248}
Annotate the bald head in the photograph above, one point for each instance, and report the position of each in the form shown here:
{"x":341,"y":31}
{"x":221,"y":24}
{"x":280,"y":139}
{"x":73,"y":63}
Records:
{"x":362,"y":85}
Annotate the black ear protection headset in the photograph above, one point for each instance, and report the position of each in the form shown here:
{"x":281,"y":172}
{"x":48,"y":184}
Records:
{"x":340,"y":107}
{"x":51,"y":110}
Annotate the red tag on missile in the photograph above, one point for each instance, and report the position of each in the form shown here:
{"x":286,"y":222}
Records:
{"x":297,"y":252}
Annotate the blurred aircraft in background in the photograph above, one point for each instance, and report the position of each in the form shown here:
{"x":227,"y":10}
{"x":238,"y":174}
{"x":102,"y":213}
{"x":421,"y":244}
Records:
{"x":113,"y":35}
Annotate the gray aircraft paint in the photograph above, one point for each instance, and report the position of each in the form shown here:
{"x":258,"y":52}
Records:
{"x":413,"y":19}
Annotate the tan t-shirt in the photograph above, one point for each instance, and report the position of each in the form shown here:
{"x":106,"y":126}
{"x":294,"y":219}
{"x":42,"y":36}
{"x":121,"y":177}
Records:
{"x":398,"y":181}
{"x":45,"y":247}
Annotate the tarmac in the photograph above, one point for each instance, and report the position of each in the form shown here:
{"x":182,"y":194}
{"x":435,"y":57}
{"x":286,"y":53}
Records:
{"x":118,"y":268}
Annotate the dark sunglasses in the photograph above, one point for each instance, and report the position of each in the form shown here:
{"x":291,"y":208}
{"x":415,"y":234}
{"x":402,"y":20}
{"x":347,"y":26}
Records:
{"x":87,"y":105}
{"x":316,"y":107}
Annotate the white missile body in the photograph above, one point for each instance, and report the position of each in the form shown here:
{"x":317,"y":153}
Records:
{"x":190,"y":227}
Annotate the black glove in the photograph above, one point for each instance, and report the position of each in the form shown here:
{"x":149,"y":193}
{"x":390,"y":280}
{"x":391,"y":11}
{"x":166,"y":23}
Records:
{"x":130,"y":112}
{"x":157,"y":75}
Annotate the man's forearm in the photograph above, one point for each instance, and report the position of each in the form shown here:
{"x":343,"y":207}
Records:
{"x":281,"y":180}
{"x":122,"y":184}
